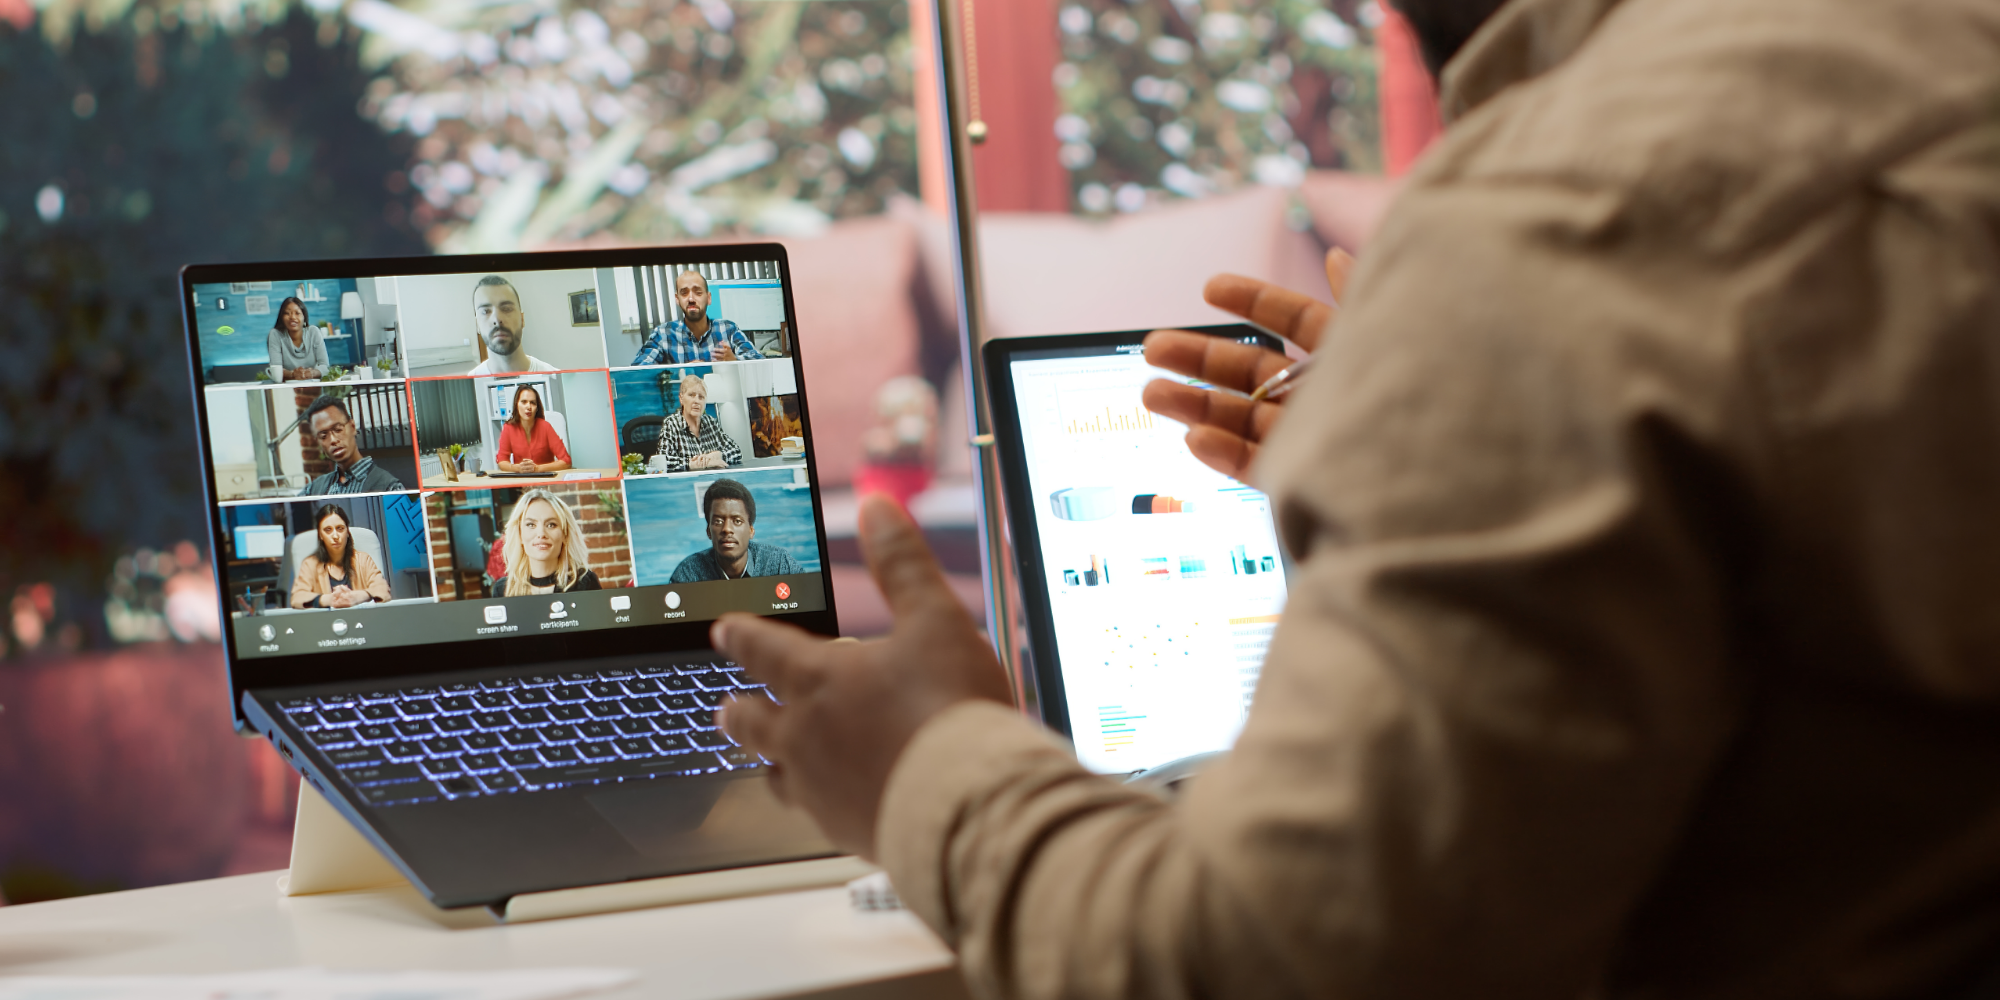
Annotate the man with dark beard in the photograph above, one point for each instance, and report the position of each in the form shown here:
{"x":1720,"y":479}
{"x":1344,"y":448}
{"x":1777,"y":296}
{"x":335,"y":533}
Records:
{"x":1642,"y":640}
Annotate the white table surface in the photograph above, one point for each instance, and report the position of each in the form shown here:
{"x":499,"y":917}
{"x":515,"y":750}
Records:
{"x":799,"y":943}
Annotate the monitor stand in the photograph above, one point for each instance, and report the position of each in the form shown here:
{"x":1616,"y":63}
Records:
{"x":329,"y":855}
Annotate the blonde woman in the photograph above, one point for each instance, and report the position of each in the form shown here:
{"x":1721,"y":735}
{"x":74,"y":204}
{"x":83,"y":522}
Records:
{"x":545,"y":551}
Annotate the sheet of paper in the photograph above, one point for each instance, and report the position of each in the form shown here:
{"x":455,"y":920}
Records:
{"x":325,"y":984}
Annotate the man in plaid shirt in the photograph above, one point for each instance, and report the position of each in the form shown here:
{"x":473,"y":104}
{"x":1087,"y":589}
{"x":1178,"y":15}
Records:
{"x":695,"y":337}
{"x":693,"y":438}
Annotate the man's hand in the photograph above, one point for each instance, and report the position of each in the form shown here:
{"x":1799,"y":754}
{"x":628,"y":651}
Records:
{"x":846,"y":710}
{"x":721,"y":351}
{"x":1224,"y":429}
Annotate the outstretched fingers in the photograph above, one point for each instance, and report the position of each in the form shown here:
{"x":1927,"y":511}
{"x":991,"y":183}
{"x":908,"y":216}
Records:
{"x":1296,"y":317}
{"x":774,"y":653}
{"x":752,"y":721}
{"x":1215,"y":360}
{"x":899,"y":559}
{"x":1197,"y":407}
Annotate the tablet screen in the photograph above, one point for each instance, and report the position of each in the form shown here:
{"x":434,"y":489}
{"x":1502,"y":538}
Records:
{"x":1163,"y":577}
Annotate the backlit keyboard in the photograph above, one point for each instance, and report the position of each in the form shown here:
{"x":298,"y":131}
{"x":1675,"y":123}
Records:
{"x":517,"y":734}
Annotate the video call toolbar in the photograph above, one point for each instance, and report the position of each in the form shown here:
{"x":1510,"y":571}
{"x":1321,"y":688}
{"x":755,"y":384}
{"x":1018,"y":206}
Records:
{"x":416,"y":454}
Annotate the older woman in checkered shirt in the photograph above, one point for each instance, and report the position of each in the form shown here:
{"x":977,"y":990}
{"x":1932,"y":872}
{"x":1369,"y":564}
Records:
{"x":694,"y":439}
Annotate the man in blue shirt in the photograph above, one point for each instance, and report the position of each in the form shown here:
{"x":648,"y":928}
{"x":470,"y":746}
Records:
{"x":695,"y":337}
{"x":732,"y":521}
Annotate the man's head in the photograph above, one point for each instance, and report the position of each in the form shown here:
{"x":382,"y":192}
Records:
{"x":328,"y":423}
{"x":497,"y":315}
{"x":1443,"y":27}
{"x":732,"y":519}
{"x":694,"y":396}
{"x":691,"y":290}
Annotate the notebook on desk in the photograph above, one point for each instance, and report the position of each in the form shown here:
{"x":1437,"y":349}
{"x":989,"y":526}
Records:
{"x":505,"y":681}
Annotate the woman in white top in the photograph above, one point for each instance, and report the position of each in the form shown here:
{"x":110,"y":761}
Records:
{"x":295,"y":344}
{"x":545,"y":550}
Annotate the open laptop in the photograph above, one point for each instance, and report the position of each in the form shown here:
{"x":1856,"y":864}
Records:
{"x":505,"y":683}
{"x":1151,"y":583}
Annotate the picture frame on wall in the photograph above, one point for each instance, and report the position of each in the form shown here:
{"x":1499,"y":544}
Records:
{"x":583,"y":307}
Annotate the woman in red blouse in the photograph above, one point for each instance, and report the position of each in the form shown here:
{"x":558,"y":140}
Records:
{"x":527,"y":442}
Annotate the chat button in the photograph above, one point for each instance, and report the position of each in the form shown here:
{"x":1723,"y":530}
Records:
{"x":622,"y":602}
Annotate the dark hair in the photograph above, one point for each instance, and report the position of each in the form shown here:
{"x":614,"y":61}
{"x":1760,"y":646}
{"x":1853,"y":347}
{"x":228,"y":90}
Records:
{"x":514,"y":408}
{"x":305,"y":317}
{"x":326,"y":401}
{"x":493,"y":280}
{"x":728,"y":489}
{"x":325,"y":557}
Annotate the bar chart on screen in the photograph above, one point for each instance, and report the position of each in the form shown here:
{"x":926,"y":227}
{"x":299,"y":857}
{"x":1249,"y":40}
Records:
{"x":1165,"y":577}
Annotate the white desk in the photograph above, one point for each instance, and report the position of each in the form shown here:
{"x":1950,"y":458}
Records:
{"x":800,"y":943}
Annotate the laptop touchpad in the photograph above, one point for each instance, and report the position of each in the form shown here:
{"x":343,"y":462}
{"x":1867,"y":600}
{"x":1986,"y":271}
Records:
{"x":708,"y":821}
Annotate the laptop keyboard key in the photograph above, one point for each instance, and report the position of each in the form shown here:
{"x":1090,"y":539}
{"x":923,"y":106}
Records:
{"x":379,"y":713}
{"x":568,"y":713}
{"x":479,"y":762}
{"x":530,"y":716}
{"x":560,"y":755}
{"x":604,"y":709}
{"x":596,"y":751}
{"x":529,"y":697}
{"x":714,"y":681}
{"x":672,"y":723}
{"x":422,"y":708}
{"x":710,"y":740}
{"x":444,"y":768}
{"x":444,"y":746}
{"x":642,"y":685}
{"x":709,"y":699}
{"x":559,"y":734}
{"x":388,"y":795}
{"x":455,"y":724}
{"x":416,"y":728}
{"x":643,"y":706}
{"x":679,"y":682}
{"x":740,"y":759}
{"x":377,"y":733}
{"x":678,"y":702}
{"x":481,"y":741}
{"x":636,"y":747}
{"x":492,"y":699}
{"x":673,"y":743}
{"x":405,"y":750}
{"x":520,"y":737}
{"x":598,"y":730}
{"x":379,"y":774}
{"x":333,"y":737}
{"x":356,"y":756}
{"x":702,"y":719}
{"x":339,"y":716}
{"x":633,"y":727}
{"x":460,"y":787}
{"x":455,"y":704}
{"x":521,"y":758}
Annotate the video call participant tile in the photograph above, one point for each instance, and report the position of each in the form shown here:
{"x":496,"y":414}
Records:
{"x":689,"y":313}
{"x":497,"y":324}
{"x":324,"y":554}
{"x":312,"y":439}
{"x":555,"y":538}
{"x":687,"y":529}
{"x":268,"y":332}
{"x":479,"y":433}
{"x":695,"y":418}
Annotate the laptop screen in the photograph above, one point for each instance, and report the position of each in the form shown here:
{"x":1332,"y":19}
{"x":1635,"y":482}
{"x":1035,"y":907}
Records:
{"x":403,"y":459}
{"x":1162,"y":577}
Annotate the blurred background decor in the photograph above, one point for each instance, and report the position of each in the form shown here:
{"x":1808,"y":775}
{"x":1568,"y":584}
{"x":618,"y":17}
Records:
{"x":1135,"y":146}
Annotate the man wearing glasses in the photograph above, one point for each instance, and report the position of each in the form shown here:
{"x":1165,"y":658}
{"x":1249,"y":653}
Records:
{"x":329,"y":423}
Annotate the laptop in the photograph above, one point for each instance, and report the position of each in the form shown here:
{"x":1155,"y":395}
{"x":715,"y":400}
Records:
{"x":505,"y":683}
{"x":1151,"y":583}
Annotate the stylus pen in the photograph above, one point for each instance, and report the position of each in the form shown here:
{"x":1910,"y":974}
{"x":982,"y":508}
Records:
{"x":1285,"y":381}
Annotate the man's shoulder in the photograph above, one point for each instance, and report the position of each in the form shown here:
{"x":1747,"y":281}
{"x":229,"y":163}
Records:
{"x":380,"y":479}
{"x":536,"y":364}
{"x":1677,"y":112}
{"x":695,"y":568}
{"x":772,"y":560}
